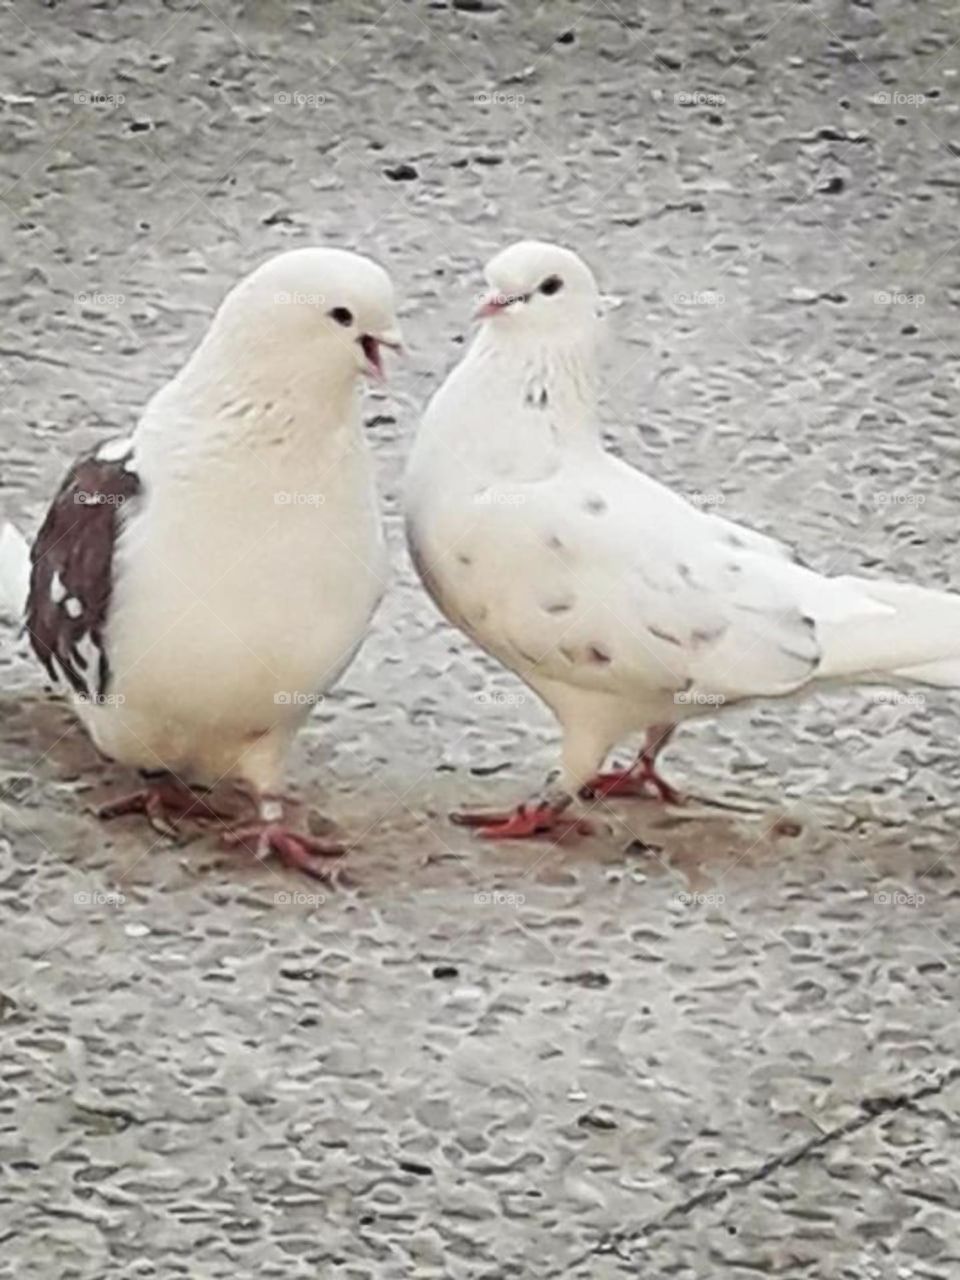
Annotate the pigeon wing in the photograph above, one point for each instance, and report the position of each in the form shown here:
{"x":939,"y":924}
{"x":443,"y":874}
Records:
{"x":622,"y":586}
{"x":71,"y":577}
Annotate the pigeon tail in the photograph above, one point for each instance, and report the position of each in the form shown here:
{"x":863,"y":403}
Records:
{"x":918,"y":638}
{"x":14,"y":572}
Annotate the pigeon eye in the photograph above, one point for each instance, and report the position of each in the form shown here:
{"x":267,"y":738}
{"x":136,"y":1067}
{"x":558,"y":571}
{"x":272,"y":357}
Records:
{"x":552,"y":284}
{"x":342,"y":316}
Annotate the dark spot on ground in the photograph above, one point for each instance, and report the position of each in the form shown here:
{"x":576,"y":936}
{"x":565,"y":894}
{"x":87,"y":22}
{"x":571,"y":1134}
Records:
{"x":593,"y":979}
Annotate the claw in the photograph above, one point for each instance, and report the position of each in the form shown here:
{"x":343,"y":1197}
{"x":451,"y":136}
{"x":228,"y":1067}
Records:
{"x":294,"y":849}
{"x":526,"y":822}
{"x":164,"y":804}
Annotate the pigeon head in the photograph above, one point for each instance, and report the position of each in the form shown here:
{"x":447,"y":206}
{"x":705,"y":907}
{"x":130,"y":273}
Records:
{"x":538,"y":288}
{"x":322,"y":310}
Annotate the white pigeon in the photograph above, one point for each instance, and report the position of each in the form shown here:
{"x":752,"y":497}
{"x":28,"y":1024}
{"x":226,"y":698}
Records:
{"x":623,"y":606}
{"x":201,"y":582}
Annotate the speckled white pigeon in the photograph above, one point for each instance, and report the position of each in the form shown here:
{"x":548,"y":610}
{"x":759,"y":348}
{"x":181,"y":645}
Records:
{"x":199,"y":583}
{"x":622,"y":605}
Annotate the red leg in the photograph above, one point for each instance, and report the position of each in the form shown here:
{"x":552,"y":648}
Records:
{"x":526,"y":822}
{"x":641,"y":779}
{"x":164,"y":803}
{"x":294,"y":849}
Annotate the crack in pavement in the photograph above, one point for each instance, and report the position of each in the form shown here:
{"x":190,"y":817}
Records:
{"x":624,"y":1244}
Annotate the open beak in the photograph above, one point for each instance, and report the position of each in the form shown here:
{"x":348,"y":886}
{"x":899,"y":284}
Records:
{"x":371,"y":349}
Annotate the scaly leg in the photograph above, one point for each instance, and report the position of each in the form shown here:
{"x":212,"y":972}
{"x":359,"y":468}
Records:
{"x":641,"y":779}
{"x":268,"y":834}
{"x":543,"y":816}
{"x":260,"y":772}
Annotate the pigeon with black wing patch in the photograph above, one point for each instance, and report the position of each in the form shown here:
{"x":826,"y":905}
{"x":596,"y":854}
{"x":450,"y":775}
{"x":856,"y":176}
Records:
{"x":200,"y":584}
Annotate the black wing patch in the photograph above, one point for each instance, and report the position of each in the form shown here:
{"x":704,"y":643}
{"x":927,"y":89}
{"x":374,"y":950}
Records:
{"x":71,"y":579}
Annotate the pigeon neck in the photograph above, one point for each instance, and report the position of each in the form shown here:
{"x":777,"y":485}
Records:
{"x":236,"y":428}
{"x":267,"y":394}
{"x":555,"y":378}
{"x":562,"y":365}
{"x":517,"y":412}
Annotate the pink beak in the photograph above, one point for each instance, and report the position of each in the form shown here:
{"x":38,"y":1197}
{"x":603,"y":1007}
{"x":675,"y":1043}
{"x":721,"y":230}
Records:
{"x":371,"y":349}
{"x":491,"y":306}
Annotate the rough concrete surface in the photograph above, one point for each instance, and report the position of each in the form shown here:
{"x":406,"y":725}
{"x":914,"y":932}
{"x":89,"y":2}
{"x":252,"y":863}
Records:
{"x":719,"y":1044}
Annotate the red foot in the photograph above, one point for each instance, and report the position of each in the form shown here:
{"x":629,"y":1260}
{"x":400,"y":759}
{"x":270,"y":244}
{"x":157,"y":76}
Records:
{"x":164,"y":805}
{"x":293,"y":848}
{"x":526,"y":822}
{"x":641,"y":780}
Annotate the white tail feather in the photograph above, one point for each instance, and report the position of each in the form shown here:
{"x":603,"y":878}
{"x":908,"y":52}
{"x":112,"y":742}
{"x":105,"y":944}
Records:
{"x":944,"y":674}
{"x":918,"y":639}
{"x":14,"y":573}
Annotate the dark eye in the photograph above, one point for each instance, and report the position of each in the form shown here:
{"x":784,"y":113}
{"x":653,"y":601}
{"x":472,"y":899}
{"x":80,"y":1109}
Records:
{"x":552,"y":284}
{"x":342,"y":316}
